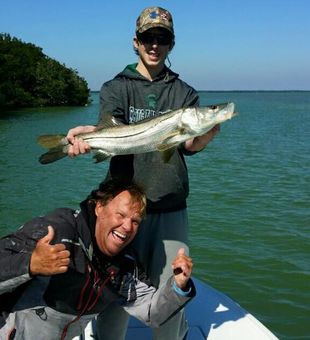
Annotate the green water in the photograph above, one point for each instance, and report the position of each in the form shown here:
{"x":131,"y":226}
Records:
{"x":248,"y":206}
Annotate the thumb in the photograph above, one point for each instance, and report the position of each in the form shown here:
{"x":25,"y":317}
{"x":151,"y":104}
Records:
{"x":181,"y":251}
{"x":49,"y":236}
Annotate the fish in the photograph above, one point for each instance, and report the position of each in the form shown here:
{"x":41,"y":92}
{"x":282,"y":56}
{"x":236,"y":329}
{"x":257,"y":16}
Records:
{"x":163,"y":133}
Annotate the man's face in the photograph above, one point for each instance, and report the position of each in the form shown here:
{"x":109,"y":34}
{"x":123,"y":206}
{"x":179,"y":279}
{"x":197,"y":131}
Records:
{"x":117,"y":223}
{"x":154,"y":47}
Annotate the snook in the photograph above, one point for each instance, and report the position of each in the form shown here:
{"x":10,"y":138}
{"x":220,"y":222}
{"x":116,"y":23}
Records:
{"x":162,"y":133}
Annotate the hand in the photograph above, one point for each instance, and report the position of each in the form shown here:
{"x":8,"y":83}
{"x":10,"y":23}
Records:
{"x":48,"y":259}
{"x":78,"y":146}
{"x":206,"y":138}
{"x":198,"y":143}
{"x":182,"y":268}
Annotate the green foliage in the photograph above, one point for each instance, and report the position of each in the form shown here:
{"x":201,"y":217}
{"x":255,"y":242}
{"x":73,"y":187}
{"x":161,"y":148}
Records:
{"x":29,"y":78}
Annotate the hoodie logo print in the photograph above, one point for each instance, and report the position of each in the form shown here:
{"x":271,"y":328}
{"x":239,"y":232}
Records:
{"x":151,"y":101}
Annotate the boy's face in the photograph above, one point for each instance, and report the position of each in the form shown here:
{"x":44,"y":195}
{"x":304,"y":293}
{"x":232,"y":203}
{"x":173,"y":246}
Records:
{"x":153,"y":46}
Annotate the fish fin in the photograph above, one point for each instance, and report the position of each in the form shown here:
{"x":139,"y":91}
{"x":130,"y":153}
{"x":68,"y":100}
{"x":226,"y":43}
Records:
{"x":52,"y":155}
{"x":52,"y":141}
{"x":174,"y":133}
{"x":109,"y":121}
{"x":168,"y":142}
{"x":167,"y":154}
{"x":101,"y":156}
{"x":164,"y":147}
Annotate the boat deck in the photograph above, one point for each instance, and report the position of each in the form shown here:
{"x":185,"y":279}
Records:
{"x":214,"y":316}
{"x":211,"y":315}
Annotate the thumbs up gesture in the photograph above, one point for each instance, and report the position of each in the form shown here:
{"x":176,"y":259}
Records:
{"x":48,"y":259}
{"x":182,"y":268}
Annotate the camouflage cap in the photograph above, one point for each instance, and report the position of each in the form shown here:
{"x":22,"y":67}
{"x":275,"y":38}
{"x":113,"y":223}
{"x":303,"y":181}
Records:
{"x":154,"y":17}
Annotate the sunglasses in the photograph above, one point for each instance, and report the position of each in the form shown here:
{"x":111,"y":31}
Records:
{"x":159,"y":39}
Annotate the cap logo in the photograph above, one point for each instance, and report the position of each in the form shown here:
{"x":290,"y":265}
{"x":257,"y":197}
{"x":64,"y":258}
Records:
{"x":153,"y":15}
{"x":164,"y":16}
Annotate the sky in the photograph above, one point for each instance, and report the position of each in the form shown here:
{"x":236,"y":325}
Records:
{"x":220,"y":44}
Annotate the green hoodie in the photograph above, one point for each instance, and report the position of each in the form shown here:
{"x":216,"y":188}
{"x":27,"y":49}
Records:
{"x":131,"y":98}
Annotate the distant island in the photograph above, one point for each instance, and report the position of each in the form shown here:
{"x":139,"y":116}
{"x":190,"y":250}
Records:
{"x":29,"y":78}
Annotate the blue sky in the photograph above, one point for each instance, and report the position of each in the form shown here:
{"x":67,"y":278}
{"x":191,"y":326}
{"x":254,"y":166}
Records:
{"x":220,"y":44}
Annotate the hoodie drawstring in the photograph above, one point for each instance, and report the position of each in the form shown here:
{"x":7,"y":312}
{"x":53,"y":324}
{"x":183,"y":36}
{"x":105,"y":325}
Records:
{"x":97,"y":288}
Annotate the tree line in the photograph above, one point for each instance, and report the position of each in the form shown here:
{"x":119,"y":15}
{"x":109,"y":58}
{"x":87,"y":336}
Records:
{"x":29,"y":78}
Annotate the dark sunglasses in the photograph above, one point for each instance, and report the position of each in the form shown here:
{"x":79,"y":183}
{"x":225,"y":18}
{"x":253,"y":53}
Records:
{"x":159,"y":39}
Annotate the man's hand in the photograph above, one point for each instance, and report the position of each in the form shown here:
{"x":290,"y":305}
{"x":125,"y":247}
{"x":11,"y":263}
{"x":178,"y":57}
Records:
{"x":48,"y":259}
{"x":182,"y":268}
{"x":78,"y":146}
{"x":198,"y":143}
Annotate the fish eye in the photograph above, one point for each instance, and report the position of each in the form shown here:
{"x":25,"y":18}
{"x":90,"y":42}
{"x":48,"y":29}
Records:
{"x":214,"y":107}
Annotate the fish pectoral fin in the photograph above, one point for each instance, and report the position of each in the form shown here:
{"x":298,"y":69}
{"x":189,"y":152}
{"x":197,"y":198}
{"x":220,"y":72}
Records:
{"x":100,"y":156}
{"x":164,"y":147}
{"x":166,"y":151}
{"x":169,"y":140}
{"x":173,"y":134}
{"x":167,"y":154}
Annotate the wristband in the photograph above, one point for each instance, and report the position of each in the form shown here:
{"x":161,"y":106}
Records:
{"x":180,"y":291}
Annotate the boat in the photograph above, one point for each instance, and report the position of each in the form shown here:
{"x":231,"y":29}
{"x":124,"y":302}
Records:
{"x":211,"y":315}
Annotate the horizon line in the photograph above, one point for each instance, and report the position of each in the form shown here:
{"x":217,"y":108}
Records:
{"x":240,"y":90}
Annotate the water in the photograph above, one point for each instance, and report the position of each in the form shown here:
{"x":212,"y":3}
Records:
{"x":249,"y":201}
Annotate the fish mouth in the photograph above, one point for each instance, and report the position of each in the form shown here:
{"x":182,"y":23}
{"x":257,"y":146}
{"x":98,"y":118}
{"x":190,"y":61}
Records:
{"x":226,"y":109}
{"x":231,"y":107}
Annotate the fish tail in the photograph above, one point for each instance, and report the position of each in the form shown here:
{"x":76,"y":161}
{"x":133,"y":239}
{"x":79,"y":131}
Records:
{"x":56,"y":145}
{"x":52,"y":141}
{"x":52,"y":155}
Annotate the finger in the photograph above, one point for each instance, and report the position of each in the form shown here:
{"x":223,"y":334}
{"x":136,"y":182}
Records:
{"x":83,"y":146}
{"x":62,"y":263}
{"x":185,"y":263}
{"x":65,"y":254}
{"x":72,"y":133}
{"x":76,"y":148}
{"x":215,"y":130}
{"x":181,"y":252}
{"x":87,"y":147}
{"x":71,"y":151}
{"x":70,"y":138}
{"x":62,"y":270}
{"x":182,"y":260}
{"x":65,"y":260}
{"x":58,"y":247}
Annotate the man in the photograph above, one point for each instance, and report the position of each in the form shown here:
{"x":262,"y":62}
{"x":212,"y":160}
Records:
{"x":144,"y":90}
{"x":52,"y":285}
